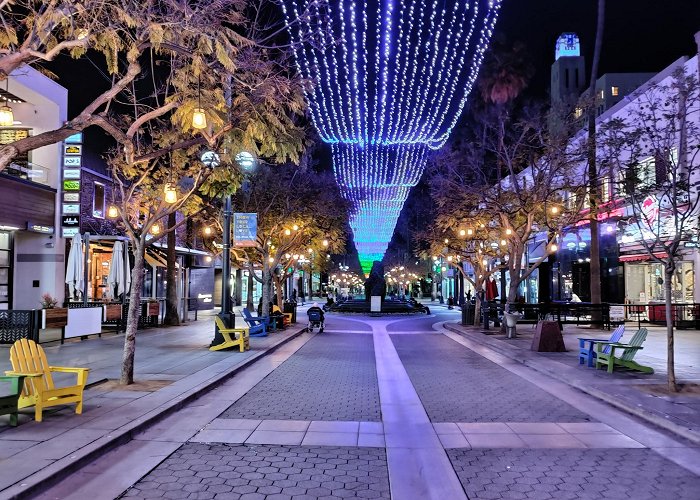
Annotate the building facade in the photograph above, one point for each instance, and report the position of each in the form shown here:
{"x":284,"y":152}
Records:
{"x":31,"y":246}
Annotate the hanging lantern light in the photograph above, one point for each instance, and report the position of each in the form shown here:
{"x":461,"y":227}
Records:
{"x":207,"y":231}
{"x":199,"y":118}
{"x":7,"y":118}
{"x":170,"y":193}
{"x":155,"y":229}
{"x":325,"y":243}
{"x":112,"y":212}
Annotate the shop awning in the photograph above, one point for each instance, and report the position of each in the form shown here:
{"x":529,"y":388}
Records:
{"x":154,"y":259}
{"x":640,"y":256}
{"x":183,"y":250}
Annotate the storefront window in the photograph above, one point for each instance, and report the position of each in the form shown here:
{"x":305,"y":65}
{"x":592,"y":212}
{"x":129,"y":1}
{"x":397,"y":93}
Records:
{"x":98,"y":201}
{"x":644,"y":282}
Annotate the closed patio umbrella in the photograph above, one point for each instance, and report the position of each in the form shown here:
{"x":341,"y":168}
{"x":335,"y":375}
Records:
{"x":119,"y":277}
{"x":74,"y":270}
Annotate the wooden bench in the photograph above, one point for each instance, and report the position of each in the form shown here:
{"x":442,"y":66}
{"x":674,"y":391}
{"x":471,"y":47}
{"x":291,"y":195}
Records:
{"x":9,"y":401}
{"x":242,"y":341}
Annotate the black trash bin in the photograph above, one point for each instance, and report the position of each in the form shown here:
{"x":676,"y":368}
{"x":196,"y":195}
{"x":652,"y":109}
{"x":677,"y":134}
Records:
{"x":290,"y":306}
{"x":468,"y":310}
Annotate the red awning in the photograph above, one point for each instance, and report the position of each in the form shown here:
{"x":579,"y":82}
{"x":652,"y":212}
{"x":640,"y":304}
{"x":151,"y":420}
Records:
{"x":641,"y":256}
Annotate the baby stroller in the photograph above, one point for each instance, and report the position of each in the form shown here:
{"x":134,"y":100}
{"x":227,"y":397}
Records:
{"x":315,"y":322}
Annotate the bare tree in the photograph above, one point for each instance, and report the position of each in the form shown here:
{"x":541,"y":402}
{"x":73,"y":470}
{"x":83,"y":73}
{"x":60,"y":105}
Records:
{"x":655,"y":147}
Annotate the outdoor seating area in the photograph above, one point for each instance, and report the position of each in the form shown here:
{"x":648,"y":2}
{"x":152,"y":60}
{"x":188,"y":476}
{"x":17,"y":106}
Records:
{"x":626,"y":360}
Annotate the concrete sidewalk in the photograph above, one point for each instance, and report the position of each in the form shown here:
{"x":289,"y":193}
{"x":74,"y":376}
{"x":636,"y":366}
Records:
{"x":633,"y":392}
{"x":173,"y":367}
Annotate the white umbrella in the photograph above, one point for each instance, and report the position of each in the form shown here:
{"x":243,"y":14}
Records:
{"x":119,"y":277}
{"x":74,"y":271}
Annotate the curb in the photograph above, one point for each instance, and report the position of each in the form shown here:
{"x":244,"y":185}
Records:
{"x":44,"y":479}
{"x":637,"y":411}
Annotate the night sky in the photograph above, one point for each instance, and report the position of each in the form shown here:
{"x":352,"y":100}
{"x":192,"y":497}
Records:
{"x":640,"y":35}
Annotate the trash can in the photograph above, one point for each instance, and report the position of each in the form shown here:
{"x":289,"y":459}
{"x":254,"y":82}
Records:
{"x":290,"y":306}
{"x":468,"y":310}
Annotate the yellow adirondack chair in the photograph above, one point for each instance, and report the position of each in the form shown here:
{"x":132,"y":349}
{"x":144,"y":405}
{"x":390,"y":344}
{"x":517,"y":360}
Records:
{"x":28,"y":359}
{"x":242,"y":342}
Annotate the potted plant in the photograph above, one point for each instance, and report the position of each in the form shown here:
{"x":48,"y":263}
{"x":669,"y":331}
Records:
{"x":52,"y":316}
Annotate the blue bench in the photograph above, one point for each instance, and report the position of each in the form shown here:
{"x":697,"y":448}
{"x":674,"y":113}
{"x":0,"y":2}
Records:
{"x":257,"y":325}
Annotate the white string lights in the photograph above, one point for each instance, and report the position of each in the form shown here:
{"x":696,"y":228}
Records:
{"x":391,"y":79}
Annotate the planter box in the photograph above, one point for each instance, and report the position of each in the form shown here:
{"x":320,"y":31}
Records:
{"x":113,"y":312}
{"x":153,"y":309}
{"x":54,"y":318}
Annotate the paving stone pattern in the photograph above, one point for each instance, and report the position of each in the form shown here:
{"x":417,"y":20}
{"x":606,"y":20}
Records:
{"x":203,"y":471}
{"x":332,"y":377}
{"x":456,"y":384}
{"x":572,"y":474}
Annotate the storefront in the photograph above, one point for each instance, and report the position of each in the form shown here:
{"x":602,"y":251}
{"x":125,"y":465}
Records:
{"x":644,"y":280}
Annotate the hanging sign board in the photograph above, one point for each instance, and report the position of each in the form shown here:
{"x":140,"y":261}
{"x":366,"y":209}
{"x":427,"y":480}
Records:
{"x":245,"y":229}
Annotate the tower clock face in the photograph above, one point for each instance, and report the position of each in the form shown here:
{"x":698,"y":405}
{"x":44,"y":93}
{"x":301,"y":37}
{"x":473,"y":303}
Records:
{"x":568,"y":45}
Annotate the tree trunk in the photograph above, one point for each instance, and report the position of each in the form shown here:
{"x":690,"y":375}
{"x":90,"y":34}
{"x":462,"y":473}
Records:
{"x":670,"y":359}
{"x":249,"y":295}
{"x":132,"y":321}
{"x":266,"y":289}
{"x":595,"y":283}
{"x":171,"y":314}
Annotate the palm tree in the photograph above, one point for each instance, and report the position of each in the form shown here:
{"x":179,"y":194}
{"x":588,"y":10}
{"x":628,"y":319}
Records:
{"x":593,"y":189}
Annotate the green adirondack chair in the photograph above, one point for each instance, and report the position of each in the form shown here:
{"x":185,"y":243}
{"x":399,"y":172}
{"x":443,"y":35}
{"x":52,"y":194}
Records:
{"x":626,"y":360}
{"x":8,"y":402}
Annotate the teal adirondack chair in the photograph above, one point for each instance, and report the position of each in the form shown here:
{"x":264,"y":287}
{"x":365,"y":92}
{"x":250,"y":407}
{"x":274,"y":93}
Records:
{"x":626,"y":360}
{"x":9,"y":399}
{"x":586,"y":346}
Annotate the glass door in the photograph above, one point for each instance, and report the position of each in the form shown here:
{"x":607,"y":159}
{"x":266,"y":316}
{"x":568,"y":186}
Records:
{"x":5,"y":268}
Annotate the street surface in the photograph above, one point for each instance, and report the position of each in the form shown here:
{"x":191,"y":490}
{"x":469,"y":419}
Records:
{"x":393,"y":407}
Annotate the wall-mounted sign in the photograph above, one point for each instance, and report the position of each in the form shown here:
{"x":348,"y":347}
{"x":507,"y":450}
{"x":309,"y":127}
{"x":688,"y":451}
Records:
{"x":69,"y":232}
{"x":568,"y":45}
{"x":71,"y":185}
{"x":72,"y":161}
{"x":71,"y":209}
{"x":40,"y":228}
{"x":245,"y":229}
{"x":71,"y":197}
{"x":71,"y":173}
{"x":70,"y":221}
{"x":74,"y":139}
{"x":72,"y":149}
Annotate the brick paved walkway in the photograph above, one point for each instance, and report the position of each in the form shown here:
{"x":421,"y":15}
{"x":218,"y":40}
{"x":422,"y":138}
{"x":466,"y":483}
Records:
{"x":267,"y":472}
{"x":572,"y":474}
{"x":333,"y":377}
{"x":458,"y":385}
